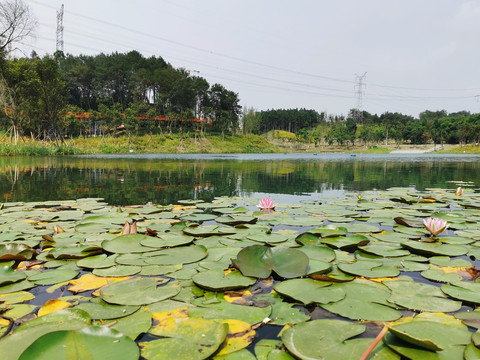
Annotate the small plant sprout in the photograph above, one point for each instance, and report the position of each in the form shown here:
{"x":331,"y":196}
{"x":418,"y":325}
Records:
{"x":435,"y":225}
{"x":266,"y":204}
{"x":459,"y":191}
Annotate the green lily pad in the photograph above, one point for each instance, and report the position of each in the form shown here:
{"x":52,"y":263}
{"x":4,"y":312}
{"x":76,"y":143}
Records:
{"x":462,"y":290}
{"x":138,"y":291}
{"x":309,"y":291}
{"x":304,"y":342}
{"x":118,"y":270}
{"x":127,"y":244}
{"x":259,"y":261}
{"x":97,"y":262}
{"x":14,"y":251}
{"x":440,"y":276}
{"x":384,"y":250}
{"x":369,"y":269}
{"x":8,"y":276}
{"x":99,"y":309}
{"x":92,"y":342}
{"x":52,"y":276}
{"x":216,"y":280}
{"x":268,"y":238}
{"x":364,"y":300}
{"x":224,"y":310}
{"x":132,"y":325}
{"x":424,"y":248}
{"x":190,"y":338}
{"x":167,"y":240}
{"x":420,"y":297}
{"x":178,"y":255}
{"x":329,"y":230}
{"x":345,"y":242}
{"x":12,"y":346}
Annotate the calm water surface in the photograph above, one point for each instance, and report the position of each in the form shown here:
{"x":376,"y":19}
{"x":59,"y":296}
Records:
{"x":166,"y":178}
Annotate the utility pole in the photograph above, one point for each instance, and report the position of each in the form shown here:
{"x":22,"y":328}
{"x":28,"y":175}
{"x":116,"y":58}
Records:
{"x":60,"y":29}
{"x":360,"y":84}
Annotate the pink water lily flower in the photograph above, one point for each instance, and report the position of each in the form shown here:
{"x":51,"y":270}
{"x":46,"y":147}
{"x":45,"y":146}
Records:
{"x":266,"y":204}
{"x":459,"y":191}
{"x":435,"y":225}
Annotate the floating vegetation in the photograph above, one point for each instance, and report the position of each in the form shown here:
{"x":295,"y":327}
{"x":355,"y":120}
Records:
{"x":196,"y":280}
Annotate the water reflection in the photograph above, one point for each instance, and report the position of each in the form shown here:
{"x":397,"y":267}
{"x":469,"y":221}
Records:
{"x":164,"y":179}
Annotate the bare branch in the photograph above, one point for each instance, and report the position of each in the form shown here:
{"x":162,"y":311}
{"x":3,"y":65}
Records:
{"x":17,"y":22}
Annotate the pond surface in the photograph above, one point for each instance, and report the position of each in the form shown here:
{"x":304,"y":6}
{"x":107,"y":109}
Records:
{"x":166,"y":178}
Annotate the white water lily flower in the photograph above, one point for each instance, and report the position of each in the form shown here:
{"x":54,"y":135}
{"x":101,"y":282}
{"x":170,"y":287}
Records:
{"x":435,"y":225}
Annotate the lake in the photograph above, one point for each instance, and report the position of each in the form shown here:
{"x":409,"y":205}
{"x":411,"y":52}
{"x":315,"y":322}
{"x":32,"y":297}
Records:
{"x":165,"y":178}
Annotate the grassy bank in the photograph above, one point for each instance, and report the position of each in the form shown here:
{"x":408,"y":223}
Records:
{"x":170,"y":143}
{"x":191,"y":144}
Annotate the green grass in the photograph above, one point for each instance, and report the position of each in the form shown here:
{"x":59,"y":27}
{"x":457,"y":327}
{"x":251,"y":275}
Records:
{"x":466,"y":149}
{"x":374,"y":150}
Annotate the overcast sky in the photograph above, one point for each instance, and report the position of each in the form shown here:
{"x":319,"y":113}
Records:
{"x":417,"y":54}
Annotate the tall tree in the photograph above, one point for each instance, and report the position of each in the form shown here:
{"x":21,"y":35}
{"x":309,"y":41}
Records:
{"x":17,"y":22}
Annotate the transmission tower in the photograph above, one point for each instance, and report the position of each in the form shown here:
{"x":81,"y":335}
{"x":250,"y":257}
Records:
{"x":60,"y":29}
{"x":360,"y":84}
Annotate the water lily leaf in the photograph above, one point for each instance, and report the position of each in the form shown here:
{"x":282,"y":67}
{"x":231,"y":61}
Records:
{"x":209,"y":230}
{"x":199,"y":217}
{"x":303,"y":221}
{"x":328,"y":230}
{"x":472,"y":352}
{"x":236,"y":220}
{"x":224,"y":310}
{"x":268,"y":238}
{"x":53,"y":305}
{"x":424,"y":248}
{"x":18,"y":310}
{"x":282,"y":312}
{"x":390,"y":237}
{"x":359,"y":227}
{"x":90,"y":282}
{"x":92,"y":342}
{"x":167,"y":240}
{"x":14,"y":251}
{"x":271,"y":349}
{"x":189,"y":338}
{"x":384,"y":250}
{"x":118,"y":270}
{"x":345,"y":242}
{"x":77,"y":251}
{"x":16,"y":286}
{"x":99,"y":309}
{"x":259,"y":261}
{"x":240,"y":335}
{"x":421,"y":297}
{"x":16,"y":297}
{"x":410,"y":351}
{"x":440,"y":276}
{"x":130,"y":259}
{"x":12,"y":346}
{"x":138,"y":291}
{"x":470,"y":318}
{"x":156,"y":270}
{"x":364,"y":300}
{"x":447,"y":261}
{"x":433,"y":331}
{"x":52,"y":276}
{"x":178,"y":255}
{"x":303,"y":341}
{"x":462,"y":290}
{"x":369,"y":269}
{"x":217,"y":279}
{"x":127,"y":244}
{"x":97,"y":262}
{"x":8,"y":276}
{"x":132,"y":325}
{"x":309,"y":291}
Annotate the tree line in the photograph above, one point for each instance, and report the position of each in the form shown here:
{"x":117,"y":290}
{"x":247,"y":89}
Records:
{"x":41,"y":96}
{"x":435,"y":127}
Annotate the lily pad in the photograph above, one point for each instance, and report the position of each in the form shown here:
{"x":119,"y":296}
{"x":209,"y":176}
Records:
{"x":259,"y":261}
{"x":138,"y":291}
{"x":369,"y":269}
{"x":309,"y":291}
{"x":217,"y":279}
{"x":185,"y":338}
{"x":92,"y":342}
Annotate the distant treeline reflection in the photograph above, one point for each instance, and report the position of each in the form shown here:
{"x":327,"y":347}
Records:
{"x":124,"y":181}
